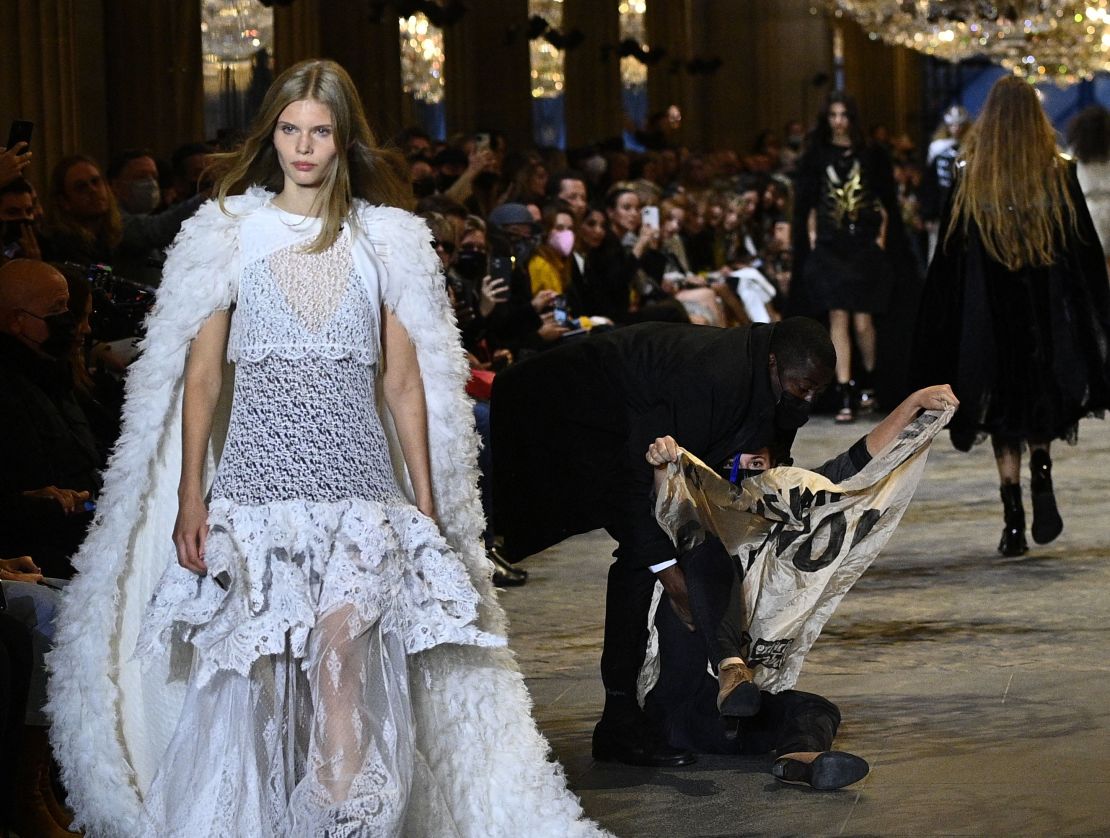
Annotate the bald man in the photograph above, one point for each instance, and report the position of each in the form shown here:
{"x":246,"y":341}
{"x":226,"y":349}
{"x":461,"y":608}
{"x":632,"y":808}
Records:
{"x":50,"y":475}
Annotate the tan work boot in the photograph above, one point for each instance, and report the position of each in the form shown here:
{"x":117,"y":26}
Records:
{"x":738,"y":695}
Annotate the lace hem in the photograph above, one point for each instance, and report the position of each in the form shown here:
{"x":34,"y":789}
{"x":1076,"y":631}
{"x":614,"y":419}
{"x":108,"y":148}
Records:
{"x":256,"y":353}
{"x":273,"y":569}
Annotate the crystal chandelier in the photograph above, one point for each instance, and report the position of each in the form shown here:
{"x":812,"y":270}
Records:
{"x":1043,"y":40}
{"x":234,"y":30}
{"x":632,"y":26}
{"x":548,"y":75}
{"x":421,"y":59}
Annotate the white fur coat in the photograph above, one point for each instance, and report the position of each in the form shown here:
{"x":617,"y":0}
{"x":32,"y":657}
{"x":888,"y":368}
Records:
{"x":112,"y":721}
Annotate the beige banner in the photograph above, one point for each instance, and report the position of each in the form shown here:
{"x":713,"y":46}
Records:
{"x":803,"y":540}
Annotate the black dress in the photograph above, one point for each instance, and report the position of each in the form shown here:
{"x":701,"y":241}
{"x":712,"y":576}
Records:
{"x":1026,"y":350}
{"x":850,"y":189}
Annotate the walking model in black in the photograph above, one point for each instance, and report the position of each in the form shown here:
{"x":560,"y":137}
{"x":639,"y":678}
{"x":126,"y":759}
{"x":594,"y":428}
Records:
{"x":1016,"y":311}
{"x":844,"y":212}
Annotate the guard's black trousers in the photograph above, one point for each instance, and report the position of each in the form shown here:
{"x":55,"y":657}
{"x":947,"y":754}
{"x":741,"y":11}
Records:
{"x":684,"y":700}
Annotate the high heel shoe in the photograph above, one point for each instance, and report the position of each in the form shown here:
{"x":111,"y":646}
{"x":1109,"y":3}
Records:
{"x":866,"y":403}
{"x":1013,"y":541}
{"x":846,"y":398}
{"x":1047,"y":523}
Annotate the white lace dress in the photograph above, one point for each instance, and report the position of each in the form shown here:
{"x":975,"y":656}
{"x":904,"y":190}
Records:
{"x":321,"y":579}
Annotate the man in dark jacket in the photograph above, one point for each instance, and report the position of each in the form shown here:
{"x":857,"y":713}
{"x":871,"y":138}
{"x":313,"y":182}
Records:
{"x":570,"y":429}
{"x":51,"y":463}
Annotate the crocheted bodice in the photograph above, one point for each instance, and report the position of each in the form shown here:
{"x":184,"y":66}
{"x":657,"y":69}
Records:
{"x":294,"y":304}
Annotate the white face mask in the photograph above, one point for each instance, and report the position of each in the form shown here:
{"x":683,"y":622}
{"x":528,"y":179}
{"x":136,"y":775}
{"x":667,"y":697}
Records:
{"x":562,"y":241}
{"x":144,"y":196}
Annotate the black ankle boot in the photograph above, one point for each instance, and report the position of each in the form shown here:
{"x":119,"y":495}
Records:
{"x":1013,"y":534}
{"x":1047,"y":523}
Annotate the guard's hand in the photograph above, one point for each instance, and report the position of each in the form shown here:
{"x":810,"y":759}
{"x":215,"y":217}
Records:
{"x":674,"y":583}
{"x":190,"y":534}
{"x":664,"y":450}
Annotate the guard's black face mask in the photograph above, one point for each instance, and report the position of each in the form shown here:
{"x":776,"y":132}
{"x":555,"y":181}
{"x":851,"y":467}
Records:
{"x":791,"y":412}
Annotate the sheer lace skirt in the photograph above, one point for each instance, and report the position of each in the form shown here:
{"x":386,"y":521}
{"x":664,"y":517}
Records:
{"x":320,"y":748}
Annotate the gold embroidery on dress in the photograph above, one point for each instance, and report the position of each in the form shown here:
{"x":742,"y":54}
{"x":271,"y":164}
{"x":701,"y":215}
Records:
{"x":847,"y":198}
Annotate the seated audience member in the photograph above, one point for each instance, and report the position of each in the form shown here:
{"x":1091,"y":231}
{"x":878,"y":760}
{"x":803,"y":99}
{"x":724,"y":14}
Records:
{"x":602,"y":273}
{"x":525,"y":322}
{"x":51,"y":462}
{"x":86,"y":224}
{"x":17,"y":221}
{"x":190,"y":176}
{"x":729,"y":714}
{"x":33,"y":606}
{"x":569,"y":185}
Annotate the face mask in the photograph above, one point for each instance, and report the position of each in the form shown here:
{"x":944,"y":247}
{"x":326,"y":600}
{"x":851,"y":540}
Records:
{"x":522,"y":249}
{"x":143,"y":196}
{"x":791,"y":412}
{"x":472,"y":265}
{"x":562,"y":241}
{"x":60,"y":330}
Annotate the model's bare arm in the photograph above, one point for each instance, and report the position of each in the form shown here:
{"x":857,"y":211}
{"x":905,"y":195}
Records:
{"x":404,"y":396}
{"x":203,"y":379}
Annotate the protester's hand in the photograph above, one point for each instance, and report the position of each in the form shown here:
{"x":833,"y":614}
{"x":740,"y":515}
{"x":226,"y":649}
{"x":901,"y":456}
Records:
{"x":674,"y":583}
{"x":937,"y":397}
{"x":70,"y":500}
{"x":543,"y":300}
{"x":20,"y":569}
{"x":190,"y":534}
{"x":493,"y":291}
{"x":12,"y":162}
{"x":664,"y":450}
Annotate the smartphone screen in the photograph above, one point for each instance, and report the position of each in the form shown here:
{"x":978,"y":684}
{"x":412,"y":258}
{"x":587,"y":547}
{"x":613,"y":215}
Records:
{"x":20,"y":132}
{"x":650,"y":217}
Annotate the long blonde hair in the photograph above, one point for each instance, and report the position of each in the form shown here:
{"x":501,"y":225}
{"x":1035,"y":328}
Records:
{"x":362,"y":168}
{"x":1014,"y":185}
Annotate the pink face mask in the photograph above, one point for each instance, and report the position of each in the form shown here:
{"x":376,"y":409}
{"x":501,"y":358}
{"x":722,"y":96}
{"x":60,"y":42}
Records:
{"x":562,"y":241}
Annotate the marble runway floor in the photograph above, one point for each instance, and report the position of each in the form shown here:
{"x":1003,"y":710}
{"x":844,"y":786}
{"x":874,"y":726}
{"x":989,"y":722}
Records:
{"x":977,"y":686}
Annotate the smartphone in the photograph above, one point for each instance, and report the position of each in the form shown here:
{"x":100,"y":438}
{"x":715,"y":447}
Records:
{"x":20,"y":132}
{"x":481,"y":141}
{"x":649,"y":216}
{"x":501,"y":267}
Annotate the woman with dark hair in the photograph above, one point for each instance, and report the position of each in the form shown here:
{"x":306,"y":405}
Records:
{"x":1016,"y":311}
{"x":844,"y":203}
{"x":1089,"y":141}
{"x":321,"y":651}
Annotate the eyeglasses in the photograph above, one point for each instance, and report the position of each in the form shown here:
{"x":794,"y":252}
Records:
{"x":446,"y":247}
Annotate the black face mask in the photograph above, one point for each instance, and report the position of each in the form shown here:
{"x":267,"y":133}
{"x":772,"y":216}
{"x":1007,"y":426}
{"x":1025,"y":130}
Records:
{"x":60,"y":330}
{"x":472,"y":265}
{"x":743,"y":474}
{"x":791,"y":412}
